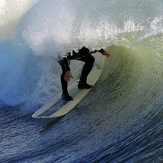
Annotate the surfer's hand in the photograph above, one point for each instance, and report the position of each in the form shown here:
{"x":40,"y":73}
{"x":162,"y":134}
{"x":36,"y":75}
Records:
{"x":68,"y":76}
{"x":107,"y":54}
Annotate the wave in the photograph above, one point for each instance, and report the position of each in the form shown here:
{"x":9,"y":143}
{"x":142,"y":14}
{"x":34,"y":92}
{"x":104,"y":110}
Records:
{"x":28,"y":60}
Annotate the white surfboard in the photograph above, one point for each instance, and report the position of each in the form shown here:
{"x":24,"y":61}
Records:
{"x":58,"y":107}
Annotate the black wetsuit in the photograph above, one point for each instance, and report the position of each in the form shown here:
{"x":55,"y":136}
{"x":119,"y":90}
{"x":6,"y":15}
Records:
{"x":84,"y":55}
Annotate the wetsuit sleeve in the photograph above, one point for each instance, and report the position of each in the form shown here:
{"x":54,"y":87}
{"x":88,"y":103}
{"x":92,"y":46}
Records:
{"x":101,"y":51}
{"x":66,"y":63}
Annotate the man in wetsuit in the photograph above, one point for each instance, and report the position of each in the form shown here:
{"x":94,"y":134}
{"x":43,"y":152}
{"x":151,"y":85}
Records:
{"x":84,"y":54}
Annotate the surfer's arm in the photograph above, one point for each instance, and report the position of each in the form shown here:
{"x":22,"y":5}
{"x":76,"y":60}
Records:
{"x":66,"y":64}
{"x":102,"y":51}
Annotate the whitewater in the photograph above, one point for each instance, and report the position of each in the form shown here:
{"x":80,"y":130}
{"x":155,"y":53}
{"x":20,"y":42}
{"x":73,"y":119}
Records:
{"x":120,"y":120}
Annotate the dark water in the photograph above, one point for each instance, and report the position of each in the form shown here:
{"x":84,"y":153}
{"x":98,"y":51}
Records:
{"x":120,"y":120}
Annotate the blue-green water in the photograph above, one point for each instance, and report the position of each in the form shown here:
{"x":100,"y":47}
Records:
{"x":121,"y":118}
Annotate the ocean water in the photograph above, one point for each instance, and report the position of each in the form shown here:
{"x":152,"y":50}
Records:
{"x":120,"y":120}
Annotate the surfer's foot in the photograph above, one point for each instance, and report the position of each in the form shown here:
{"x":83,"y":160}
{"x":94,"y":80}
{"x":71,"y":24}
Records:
{"x":84,"y":85}
{"x":67,"y":97}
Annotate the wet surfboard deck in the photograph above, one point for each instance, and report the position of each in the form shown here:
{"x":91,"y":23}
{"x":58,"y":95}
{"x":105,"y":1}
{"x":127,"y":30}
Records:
{"x":58,"y":107}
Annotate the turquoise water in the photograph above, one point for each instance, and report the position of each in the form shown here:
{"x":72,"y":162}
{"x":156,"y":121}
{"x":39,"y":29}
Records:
{"x":121,"y":118}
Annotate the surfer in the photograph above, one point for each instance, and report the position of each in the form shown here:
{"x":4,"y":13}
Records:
{"x":84,"y":54}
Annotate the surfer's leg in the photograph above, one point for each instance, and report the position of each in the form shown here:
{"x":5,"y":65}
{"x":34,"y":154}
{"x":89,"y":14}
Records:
{"x":64,"y":85}
{"x":89,"y":61}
